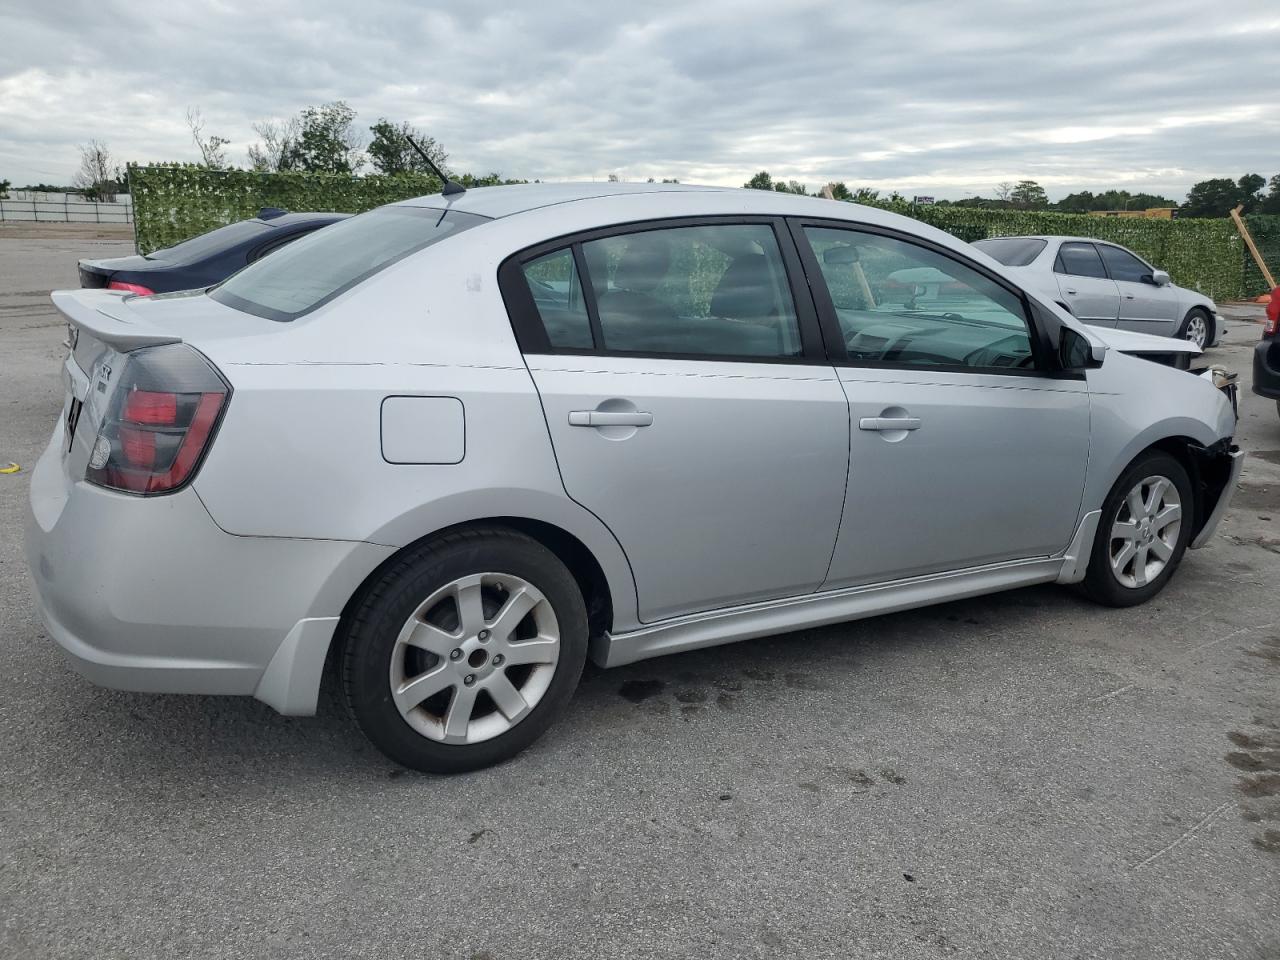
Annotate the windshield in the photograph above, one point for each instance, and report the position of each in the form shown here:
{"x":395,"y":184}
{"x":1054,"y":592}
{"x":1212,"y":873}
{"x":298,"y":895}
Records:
{"x":1012,"y":251}
{"x":320,"y":266}
{"x":215,"y":241}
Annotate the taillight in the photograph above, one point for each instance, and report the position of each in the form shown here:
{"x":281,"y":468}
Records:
{"x":137,"y":288}
{"x":1273,"y":314}
{"x":160,"y":421}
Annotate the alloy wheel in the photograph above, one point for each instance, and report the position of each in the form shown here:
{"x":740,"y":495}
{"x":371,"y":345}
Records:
{"x":1197,"y":330}
{"x":1145,"y":532}
{"x":475,"y":658}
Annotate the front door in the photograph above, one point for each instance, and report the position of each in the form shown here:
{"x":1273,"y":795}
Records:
{"x":691,"y":410}
{"x":963,"y":451}
{"x":1143,"y":306}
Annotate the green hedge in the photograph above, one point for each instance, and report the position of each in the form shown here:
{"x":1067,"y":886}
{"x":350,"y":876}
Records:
{"x":174,"y":202}
{"x":1204,"y":255}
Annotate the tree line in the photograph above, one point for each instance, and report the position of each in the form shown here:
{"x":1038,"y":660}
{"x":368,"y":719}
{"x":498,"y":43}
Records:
{"x":1208,"y":198}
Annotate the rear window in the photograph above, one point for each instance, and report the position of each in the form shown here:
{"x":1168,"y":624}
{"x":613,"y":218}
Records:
{"x":312,"y":271}
{"x":213,"y":242}
{"x":1012,"y":251}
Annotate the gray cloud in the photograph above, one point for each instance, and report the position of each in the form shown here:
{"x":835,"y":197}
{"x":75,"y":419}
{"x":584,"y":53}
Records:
{"x":940,"y":97}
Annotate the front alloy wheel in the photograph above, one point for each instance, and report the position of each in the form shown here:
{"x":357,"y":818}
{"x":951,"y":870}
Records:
{"x":464,"y":649}
{"x":1145,"y":533}
{"x":1145,"y":525}
{"x":1195,"y":329}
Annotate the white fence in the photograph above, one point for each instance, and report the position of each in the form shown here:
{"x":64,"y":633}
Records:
{"x":67,"y":210}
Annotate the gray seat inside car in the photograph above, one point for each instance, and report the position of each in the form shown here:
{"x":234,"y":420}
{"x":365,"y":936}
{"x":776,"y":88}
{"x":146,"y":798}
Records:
{"x":634,"y":317}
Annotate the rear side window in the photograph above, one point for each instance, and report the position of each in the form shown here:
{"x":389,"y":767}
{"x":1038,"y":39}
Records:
{"x":313,"y":270}
{"x":213,"y":243}
{"x":697,"y":291}
{"x":1123,"y":265}
{"x":557,"y":293}
{"x":1080,"y":260}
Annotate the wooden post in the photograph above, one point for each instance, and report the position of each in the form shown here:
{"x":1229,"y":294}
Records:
{"x":1253,"y":248}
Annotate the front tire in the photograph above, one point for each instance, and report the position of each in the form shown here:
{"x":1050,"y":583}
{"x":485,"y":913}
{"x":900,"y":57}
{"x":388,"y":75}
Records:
{"x":463,"y":652}
{"x":1144,"y":530}
{"x":1197,"y":328}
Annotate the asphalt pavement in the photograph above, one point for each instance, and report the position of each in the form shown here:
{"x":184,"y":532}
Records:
{"x":1018,"y":776}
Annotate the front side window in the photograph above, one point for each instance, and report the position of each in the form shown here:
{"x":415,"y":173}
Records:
{"x":902,"y":304}
{"x":1123,"y":265}
{"x":313,"y":270}
{"x":708,"y":290}
{"x":1080,"y":260}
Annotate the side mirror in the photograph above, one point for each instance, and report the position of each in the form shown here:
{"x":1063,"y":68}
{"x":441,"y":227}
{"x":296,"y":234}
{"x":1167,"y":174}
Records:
{"x":1160,"y":278}
{"x":1076,"y":352}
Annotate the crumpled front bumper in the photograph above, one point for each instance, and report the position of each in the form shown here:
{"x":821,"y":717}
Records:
{"x":1202,"y":536}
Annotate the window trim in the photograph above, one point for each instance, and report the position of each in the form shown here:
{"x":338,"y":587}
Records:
{"x":1041,"y":347}
{"x":531,"y":335}
{"x":1057,"y":259}
{"x":1107,"y":267}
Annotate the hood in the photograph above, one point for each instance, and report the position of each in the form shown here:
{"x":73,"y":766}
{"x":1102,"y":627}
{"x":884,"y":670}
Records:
{"x":1129,"y":341}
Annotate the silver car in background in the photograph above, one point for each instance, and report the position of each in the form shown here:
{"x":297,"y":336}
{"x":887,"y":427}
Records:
{"x":454,"y":446}
{"x":1107,"y":285}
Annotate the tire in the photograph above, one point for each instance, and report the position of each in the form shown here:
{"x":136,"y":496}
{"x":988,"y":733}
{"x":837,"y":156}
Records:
{"x":1124,"y":583}
{"x":1197,"y":327}
{"x":488,"y":604}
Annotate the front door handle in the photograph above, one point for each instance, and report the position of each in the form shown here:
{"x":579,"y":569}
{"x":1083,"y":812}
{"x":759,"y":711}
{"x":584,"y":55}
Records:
{"x":1071,"y":291}
{"x":609,"y":418}
{"x":889,"y":423}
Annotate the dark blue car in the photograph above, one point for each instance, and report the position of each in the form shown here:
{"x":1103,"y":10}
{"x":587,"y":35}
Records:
{"x":207,"y":259}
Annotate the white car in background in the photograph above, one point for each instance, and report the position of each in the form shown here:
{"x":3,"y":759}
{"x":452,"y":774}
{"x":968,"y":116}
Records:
{"x":1108,"y":286}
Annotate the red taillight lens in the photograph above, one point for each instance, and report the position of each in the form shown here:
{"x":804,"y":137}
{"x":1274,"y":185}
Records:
{"x":160,"y":421}
{"x":137,"y":288}
{"x":1273,"y":314}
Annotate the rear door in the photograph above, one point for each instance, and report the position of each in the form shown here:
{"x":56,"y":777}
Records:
{"x":690,"y":405}
{"x":1084,"y":284}
{"x":1143,"y":306}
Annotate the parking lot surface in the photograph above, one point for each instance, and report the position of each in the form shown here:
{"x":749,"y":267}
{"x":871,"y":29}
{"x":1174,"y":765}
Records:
{"x":1019,"y":776}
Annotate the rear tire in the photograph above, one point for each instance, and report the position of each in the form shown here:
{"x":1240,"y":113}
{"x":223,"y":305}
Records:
{"x":464,"y":651}
{"x":1197,"y":328}
{"x":1144,"y":530}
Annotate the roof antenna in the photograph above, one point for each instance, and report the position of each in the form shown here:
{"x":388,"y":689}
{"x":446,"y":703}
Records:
{"x":450,"y":187}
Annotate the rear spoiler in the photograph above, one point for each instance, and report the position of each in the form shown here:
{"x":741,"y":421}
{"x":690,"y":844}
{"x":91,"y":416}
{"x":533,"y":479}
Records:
{"x":106,"y":315}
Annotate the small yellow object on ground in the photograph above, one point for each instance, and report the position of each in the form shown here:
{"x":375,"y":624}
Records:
{"x":11,"y":468}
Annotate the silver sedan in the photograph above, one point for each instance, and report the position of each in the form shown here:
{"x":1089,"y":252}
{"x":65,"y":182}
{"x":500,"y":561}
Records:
{"x":1107,"y":285}
{"x":451,"y":448}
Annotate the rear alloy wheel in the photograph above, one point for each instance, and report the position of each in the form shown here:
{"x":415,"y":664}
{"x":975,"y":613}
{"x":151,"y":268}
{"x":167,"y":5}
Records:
{"x":1197,"y":329}
{"x":1145,"y":526}
{"x":462,"y":654}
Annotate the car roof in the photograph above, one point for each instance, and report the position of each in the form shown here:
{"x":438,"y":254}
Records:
{"x":504,"y":201}
{"x":1057,"y":236}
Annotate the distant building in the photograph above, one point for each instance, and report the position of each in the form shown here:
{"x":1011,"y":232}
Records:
{"x":1159,"y":213}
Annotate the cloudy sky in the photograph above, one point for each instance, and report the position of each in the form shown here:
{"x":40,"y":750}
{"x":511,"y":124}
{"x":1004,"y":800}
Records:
{"x":947,"y":98}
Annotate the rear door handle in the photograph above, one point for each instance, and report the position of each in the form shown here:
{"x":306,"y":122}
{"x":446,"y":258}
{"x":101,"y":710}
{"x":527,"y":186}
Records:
{"x":1071,"y":291}
{"x":889,"y":423}
{"x":609,"y":418}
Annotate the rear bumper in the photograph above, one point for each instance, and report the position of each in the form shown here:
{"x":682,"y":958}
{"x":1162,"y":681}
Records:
{"x":150,"y":595}
{"x":1266,"y":369}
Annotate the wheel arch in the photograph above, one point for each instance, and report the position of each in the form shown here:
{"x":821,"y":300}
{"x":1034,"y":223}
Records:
{"x":1208,"y":467}
{"x":597,"y":590}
